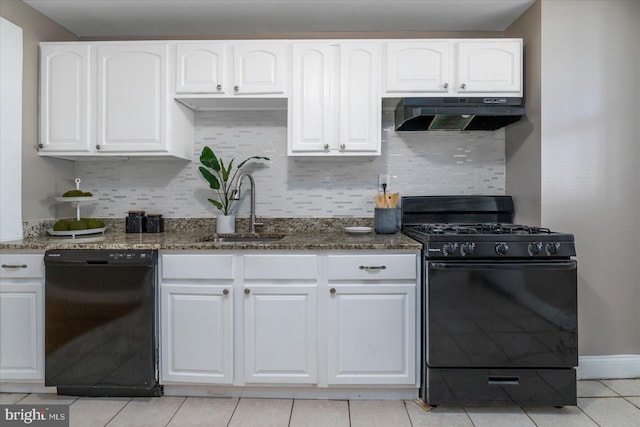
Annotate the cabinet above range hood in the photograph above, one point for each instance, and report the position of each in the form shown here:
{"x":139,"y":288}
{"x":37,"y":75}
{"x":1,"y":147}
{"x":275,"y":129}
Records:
{"x":482,"y":113}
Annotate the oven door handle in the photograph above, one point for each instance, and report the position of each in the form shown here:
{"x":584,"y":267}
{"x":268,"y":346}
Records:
{"x":557,"y":265}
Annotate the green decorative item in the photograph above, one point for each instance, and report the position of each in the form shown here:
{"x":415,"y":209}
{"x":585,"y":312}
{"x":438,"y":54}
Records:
{"x":220,"y":178}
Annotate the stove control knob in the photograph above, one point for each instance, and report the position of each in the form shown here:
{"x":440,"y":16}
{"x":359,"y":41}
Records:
{"x":502,"y":248}
{"x":551,"y":248}
{"x":534,"y":248}
{"x":467,"y":249}
{"x":449,"y":249}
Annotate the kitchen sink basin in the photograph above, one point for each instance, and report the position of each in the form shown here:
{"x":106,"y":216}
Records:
{"x":242,"y":239}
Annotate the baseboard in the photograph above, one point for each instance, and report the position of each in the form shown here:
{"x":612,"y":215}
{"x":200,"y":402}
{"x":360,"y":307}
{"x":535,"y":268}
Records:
{"x":606,"y":367}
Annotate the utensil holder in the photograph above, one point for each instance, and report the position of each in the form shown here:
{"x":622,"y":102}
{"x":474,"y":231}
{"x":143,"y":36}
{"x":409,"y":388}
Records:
{"x":385,"y":220}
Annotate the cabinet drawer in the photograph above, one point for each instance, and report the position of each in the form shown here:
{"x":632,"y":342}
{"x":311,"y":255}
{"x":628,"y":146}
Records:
{"x":371,"y":267}
{"x":280,"y":267}
{"x":204,"y":266}
{"x":21,"y":265}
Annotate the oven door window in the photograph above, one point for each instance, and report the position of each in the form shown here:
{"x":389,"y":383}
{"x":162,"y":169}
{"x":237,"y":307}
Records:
{"x":502,"y":314}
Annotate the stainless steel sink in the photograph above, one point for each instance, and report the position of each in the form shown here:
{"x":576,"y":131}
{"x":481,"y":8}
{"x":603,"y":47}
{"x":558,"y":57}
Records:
{"x":242,"y":239}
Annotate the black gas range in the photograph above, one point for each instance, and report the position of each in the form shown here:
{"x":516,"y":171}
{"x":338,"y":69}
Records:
{"x":499,"y":304}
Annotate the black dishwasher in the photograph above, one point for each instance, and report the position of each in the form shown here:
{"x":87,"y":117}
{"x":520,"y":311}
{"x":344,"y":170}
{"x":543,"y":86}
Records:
{"x":101,"y":335}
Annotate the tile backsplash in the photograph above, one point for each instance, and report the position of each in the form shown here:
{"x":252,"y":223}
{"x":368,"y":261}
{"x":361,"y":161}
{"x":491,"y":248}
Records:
{"x":421,"y":163}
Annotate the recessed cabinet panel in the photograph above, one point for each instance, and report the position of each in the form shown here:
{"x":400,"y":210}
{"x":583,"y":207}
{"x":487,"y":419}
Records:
{"x":22,"y":317}
{"x":360,"y":112}
{"x":417,"y":66}
{"x":64,"y":98}
{"x":491,"y":66}
{"x":197,"y":333}
{"x":132,"y":96}
{"x":372,"y":339}
{"x":258,"y":68}
{"x":310,"y":109}
{"x":280,"y":334}
{"x":200,"y":68}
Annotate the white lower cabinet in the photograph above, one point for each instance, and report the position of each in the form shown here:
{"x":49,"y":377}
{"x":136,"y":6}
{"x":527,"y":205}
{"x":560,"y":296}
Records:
{"x":197,"y":318}
{"x":318,"y":319}
{"x":21,"y":317}
{"x":280,"y":318}
{"x":280,"y":334}
{"x":372,"y":319}
{"x":197,"y":334}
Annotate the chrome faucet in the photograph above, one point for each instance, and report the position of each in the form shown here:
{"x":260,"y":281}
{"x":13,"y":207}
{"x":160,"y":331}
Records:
{"x":236,"y":196}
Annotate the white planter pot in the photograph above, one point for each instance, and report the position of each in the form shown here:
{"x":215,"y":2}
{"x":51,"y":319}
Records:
{"x":225,"y":224}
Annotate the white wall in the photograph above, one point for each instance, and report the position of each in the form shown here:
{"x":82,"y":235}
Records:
{"x":590,"y":156}
{"x":10,"y":131}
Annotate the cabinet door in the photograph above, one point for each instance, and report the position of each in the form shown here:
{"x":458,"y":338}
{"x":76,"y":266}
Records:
{"x":280,"y":334}
{"x":417,"y":67}
{"x":258,"y":68}
{"x":360,"y":106}
{"x":197,"y":333}
{"x":200,"y":68}
{"x":489,"y":66}
{"x":311,"y":103}
{"x":64,"y":98}
{"x":21,"y":331}
{"x":371,"y":334}
{"x":132,"y":96}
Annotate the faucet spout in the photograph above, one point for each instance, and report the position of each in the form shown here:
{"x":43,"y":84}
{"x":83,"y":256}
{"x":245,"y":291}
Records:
{"x":236,"y":196}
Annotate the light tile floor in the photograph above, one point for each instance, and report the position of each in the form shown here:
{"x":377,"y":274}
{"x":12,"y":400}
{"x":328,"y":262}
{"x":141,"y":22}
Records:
{"x":604,"y":403}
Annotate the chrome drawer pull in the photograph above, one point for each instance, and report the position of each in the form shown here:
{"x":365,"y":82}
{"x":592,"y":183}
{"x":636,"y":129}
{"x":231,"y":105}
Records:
{"x":14,"y":267}
{"x":225,"y":292}
{"x":373,"y":267}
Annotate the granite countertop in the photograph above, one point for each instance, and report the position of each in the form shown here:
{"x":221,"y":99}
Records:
{"x":296,"y":234}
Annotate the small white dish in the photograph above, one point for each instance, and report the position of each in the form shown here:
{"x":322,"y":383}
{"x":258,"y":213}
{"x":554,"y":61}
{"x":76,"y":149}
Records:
{"x":358,"y":230}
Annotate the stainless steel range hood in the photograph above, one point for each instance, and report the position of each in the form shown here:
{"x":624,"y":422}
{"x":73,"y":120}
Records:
{"x":486,"y":113}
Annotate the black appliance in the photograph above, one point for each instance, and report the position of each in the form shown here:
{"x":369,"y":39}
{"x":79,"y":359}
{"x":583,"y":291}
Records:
{"x":450,"y":113}
{"x":499,"y":307}
{"x":101,"y":336}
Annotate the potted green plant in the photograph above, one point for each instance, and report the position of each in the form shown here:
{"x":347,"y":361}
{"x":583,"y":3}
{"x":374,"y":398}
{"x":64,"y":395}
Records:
{"x":223,"y":182}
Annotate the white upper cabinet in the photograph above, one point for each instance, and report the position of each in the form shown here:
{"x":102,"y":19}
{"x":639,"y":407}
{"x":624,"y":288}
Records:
{"x":493,"y":66}
{"x":417,"y":67}
{"x":259,"y":68}
{"x":231,"y":69}
{"x":132,"y":98}
{"x":334,"y":107}
{"x":111,"y":99}
{"x":476,"y":67}
{"x":64,"y":98}
{"x":200,"y":68}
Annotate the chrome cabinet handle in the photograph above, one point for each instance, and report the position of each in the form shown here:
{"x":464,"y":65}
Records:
{"x":14,"y":266}
{"x":463,"y":86}
{"x":225,"y":292}
{"x":446,"y":85}
{"x":247,"y":291}
{"x":98,"y":147}
{"x":332,"y":291}
{"x":219,"y":88}
{"x":342,"y":146}
{"x":326,"y":146}
{"x":40,"y":145}
{"x":236,"y":88}
{"x":373,"y":267}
